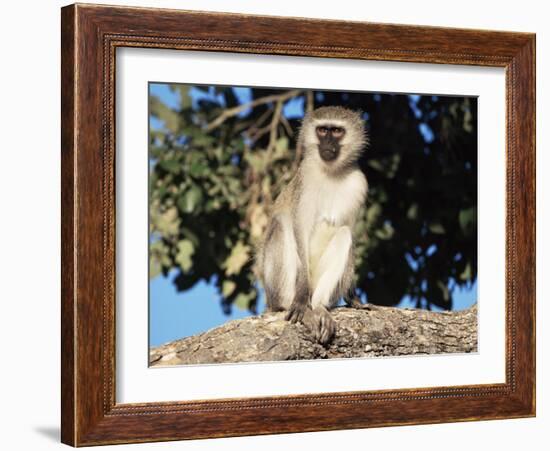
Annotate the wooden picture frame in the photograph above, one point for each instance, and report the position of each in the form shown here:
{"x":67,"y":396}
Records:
{"x":90,"y":36}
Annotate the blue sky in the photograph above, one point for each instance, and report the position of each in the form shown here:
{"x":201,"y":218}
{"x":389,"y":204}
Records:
{"x":174,"y":315}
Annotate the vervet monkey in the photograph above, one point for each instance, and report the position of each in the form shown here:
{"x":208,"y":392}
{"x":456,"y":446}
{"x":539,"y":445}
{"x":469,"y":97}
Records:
{"x":306,"y":261}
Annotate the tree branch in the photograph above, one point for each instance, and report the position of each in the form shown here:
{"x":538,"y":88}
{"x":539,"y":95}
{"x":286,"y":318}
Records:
{"x":230,"y":112}
{"x":378,"y":331}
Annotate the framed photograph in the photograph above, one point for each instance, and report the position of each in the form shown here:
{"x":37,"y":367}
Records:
{"x":279,"y":225}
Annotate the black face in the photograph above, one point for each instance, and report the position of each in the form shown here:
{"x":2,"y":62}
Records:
{"x":329,"y":141}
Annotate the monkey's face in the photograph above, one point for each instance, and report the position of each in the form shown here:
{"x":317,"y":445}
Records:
{"x":330,"y":137}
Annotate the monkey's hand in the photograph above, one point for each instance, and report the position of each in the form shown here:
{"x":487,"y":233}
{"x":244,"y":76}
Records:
{"x":297,"y":311}
{"x":321,"y":324}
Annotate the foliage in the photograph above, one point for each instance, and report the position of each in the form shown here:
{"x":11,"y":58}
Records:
{"x":218,"y":162}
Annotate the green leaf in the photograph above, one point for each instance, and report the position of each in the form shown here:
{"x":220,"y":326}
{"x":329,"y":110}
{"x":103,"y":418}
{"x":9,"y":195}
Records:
{"x":155,"y":268}
{"x":166,"y":223}
{"x":158,"y":258}
{"x":171,"y":119}
{"x":189,"y":201}
{"x":183,"y":91}
{"x":467,"y":219}
{"x":281,"y":148}
{"x":228,"y":287}
{"x":444,"y":291}
{"x":185,"y":254}
{"x":172,"y":166}
{"x":257,"y":160}
{"x":198,"y":169}
{"x":467,"y":273}
{"x":237,"y":259}
{"x":468,"y":126}
{"x":377,"y":165}
{"x":242,"y":300}
{"x":412,"y":212}
{"x":394,"y":165}
{"x":437,"y":228}
{"x":373,"y":213}
{"x":385,"y":233}
{"x":191,"y":236}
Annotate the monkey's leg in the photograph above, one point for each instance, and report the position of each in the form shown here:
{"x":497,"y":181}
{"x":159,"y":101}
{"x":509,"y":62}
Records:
{"x":301,"y":300}
{"x":320,"y":323}
{"x":280,"y":263}
{"x":300,"y":304}
{"x":347,"y":290}
{"x":332,"y":279}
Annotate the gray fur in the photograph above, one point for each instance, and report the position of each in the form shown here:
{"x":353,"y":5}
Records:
{"x":286,"y":252}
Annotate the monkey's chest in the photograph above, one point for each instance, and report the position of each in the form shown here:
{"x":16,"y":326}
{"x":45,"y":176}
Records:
{"x":336,"y":203}
{"x":332,"y":209}
{"x":321,"y":236}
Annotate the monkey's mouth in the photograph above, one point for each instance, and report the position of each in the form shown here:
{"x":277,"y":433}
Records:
{"x":328,"y":154}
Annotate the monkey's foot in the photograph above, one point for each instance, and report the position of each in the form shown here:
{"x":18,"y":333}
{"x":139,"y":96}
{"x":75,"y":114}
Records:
{"x":296,"y":312}
{"x":321,"y":324}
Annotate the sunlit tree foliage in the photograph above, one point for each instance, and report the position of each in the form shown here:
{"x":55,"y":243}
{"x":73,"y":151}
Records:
{"x":222,"y":154}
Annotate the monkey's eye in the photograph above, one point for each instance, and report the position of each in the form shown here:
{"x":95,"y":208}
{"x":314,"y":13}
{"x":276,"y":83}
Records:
{"x":338,"y":132}
{"x":322,"y":131}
